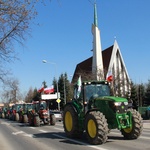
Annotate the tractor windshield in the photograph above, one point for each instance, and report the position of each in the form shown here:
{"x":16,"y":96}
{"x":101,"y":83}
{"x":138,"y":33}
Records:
{"x":96,"y":90}
{"x":43,"y":105}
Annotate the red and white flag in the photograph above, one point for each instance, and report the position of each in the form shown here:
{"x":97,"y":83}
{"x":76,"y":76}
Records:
{"x":49,"y":90}
{"x":41,"y":90}
{"x":109,"y":76}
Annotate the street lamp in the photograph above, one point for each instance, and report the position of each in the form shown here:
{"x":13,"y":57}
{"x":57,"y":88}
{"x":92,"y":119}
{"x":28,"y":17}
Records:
{"x":64,"y":89}
{"x":45,"y":61}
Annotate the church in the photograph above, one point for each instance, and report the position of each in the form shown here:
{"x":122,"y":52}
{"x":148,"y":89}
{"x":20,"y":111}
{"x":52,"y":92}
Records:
{"x":107,"y":64}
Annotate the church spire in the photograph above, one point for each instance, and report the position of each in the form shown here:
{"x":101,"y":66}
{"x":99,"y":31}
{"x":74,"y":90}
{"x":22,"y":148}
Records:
{"x":95,"y":16}
{"x":97,"y":61}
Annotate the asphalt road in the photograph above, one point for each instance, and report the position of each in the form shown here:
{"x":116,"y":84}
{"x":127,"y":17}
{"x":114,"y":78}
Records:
{"x":19,"y":136}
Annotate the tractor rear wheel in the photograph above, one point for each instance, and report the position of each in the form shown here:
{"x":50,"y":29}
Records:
{"x":36,"y":121}
{"x":25,"y":119}
{"x":3,"y":116}
{"x":30,"y":120}
{"x":16,"y":117}
{"x":21,"y":118}
{"x":70,"y":122}
{"x":52,"y":119}
{"x":96,"y":128}
{"x":137,"y":126}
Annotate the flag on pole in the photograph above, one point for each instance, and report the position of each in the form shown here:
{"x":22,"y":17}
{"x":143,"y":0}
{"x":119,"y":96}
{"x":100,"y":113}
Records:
{"x":41,"y":90}
{"x":109,"y":76}
{"x":49,"y":90}
{"x":79,"y":83}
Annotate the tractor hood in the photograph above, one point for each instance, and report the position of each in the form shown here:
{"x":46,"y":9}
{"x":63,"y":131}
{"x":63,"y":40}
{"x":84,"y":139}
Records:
{"x":112,"y":98}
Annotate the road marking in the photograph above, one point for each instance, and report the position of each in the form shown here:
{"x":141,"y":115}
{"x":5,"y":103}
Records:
{"x":32,"y":127}
{"x":18,"y":132}
{"x":29,"y":135}
{"x":5,"y":123}
{"x":75,"y":141}
{"x":43,"y":131}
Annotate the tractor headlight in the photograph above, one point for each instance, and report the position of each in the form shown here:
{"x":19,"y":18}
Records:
{"x":126,"y":103}
{"x":45,"y":113}
{"x":117,"y":103}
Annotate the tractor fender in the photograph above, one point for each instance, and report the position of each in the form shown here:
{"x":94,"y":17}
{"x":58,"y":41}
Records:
{"x":94,"y":109}
{"x":72,"y":105}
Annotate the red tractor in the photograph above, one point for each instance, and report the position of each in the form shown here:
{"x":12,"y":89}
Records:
{"x":39,"y":114}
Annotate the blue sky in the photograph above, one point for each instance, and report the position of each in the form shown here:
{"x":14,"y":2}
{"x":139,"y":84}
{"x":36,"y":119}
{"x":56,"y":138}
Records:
{"x":64,"y":37}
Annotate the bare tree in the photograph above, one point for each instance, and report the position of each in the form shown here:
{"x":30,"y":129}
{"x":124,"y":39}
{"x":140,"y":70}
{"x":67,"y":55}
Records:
{"x":11,"y":91}
{"x":15,"y":16}
{"x":29,"y":95}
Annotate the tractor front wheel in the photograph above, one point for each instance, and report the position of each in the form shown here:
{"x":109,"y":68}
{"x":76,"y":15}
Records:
{"x":136,"y":126}
{"x":70,"y":122}
{"x":52,"y":119}
{"x":96,"y":128}
{"x":36,"y":121}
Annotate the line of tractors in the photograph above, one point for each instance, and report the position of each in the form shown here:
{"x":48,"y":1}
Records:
{"x":36,"y":113}
{"x":93,"y":111}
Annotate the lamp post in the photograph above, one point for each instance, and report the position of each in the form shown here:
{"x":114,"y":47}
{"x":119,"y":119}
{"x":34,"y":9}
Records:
{"x":45,"y":61}
{"x":64,"y":89}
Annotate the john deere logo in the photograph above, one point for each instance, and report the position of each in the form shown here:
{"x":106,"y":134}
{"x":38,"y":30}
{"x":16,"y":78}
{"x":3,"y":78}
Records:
{"x":122,"y":107}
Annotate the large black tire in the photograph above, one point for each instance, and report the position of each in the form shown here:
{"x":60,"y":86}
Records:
{"x":25,"y":118}
{"x":3,"y":116}
{"x":21,"y":118}
{"x":16,"y":117}
{"x":52,"y":119}
{"x":137,"y":126}
{"x":30,"y":120}
{"x":37,"y":121}
{"x":70,"y":122}
{"x":96,"y":128}
{"x":12,"y":117}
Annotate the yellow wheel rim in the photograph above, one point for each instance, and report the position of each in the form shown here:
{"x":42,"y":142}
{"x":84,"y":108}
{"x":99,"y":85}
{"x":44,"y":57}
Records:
{"x":91,"y":128}
{"x":128,"y":130}
{"x":68,"y":121}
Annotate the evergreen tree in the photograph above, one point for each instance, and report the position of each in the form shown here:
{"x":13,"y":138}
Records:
{"x":36,"y":94}
{"x":133,"y":96}
{"x":141,"y":94}
{"x":147,"y":95}
{"x":64,"y":87}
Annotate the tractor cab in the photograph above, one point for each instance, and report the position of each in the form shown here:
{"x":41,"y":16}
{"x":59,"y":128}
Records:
{"x":95,"y":89}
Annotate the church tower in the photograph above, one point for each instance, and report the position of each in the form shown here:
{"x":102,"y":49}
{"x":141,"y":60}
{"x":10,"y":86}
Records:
{"x":97,"y":61}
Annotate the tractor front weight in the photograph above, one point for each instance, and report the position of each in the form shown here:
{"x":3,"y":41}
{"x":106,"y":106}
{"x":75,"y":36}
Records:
{"x":124,"y":120}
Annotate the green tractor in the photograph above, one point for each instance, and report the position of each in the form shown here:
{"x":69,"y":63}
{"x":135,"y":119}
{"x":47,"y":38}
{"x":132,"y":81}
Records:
{"x":23,"y":113}
{"x":3,"y":112}
{"x":14,"y":112}
{"x":94,"y":111}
